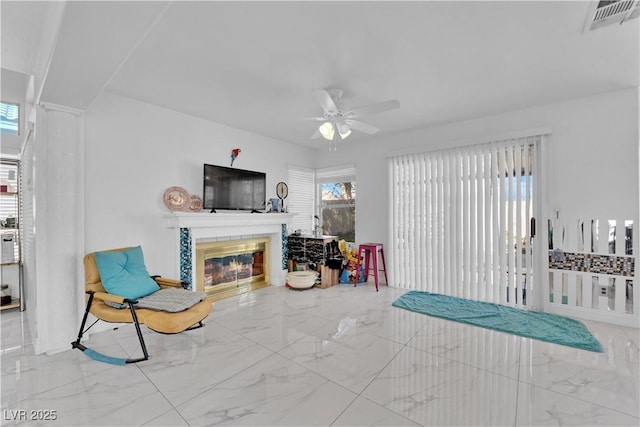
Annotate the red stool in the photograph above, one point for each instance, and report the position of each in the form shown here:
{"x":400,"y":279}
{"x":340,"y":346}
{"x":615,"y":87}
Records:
{"x":371,"y":249}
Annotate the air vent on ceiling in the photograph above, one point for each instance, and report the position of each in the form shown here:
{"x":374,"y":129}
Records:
{"x":604,"y":13}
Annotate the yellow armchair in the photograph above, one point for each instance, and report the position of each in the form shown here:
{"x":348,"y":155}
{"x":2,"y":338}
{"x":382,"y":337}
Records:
{"x":159,"y":321}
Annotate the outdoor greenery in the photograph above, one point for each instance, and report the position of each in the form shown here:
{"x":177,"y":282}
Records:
{"x":338,"y":210}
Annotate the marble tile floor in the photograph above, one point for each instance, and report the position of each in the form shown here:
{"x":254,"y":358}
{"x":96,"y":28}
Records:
{"x":329,"y":357}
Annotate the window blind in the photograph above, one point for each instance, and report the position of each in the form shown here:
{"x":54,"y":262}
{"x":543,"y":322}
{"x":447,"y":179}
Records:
{"x":344,"y":173}
{"x":460,"y":220}
{"x":10,"y":202}
{"x":301,"y":200}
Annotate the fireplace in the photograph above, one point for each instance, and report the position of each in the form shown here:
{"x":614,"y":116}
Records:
{"x":231,"y":267}
{"x":192,"y":229}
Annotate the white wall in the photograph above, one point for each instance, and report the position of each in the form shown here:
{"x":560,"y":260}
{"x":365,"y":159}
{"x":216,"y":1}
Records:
{"x":593,"y":157}
{"x":135,"y":151}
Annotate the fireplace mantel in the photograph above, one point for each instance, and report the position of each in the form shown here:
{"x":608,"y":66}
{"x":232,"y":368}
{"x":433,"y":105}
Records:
{"x":225,"y":219}
{"x":194,"y":227}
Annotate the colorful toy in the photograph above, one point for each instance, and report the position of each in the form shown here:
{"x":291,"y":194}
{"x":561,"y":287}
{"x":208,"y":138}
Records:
{"x":351,"y":255}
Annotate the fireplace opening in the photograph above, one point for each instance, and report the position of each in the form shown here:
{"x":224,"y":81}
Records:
{"x":232,"y":267}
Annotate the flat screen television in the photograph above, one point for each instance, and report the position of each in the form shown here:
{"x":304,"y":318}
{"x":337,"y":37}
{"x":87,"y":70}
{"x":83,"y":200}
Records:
{"x":233,"y":189}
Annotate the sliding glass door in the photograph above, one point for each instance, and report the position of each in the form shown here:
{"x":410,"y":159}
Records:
{"x":461,"y":220}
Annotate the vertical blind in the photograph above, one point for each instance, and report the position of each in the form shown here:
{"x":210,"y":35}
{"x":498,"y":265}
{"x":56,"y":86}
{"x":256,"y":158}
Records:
{"x":301,"y":199}
{"x":460,"y":220}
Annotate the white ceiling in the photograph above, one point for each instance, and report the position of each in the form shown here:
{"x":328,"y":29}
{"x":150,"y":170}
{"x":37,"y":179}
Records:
{"x":254,"y":65}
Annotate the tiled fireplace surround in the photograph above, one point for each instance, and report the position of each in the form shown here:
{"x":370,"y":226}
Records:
{"x":191,"y":228}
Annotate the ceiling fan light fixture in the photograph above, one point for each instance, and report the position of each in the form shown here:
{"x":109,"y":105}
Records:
{"x":344,"y":130}
{"x":335,"y":119}
{"x":327,"y":130}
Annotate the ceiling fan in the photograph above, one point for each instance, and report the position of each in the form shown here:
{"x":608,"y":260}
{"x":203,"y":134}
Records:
{"x":334,"y":120}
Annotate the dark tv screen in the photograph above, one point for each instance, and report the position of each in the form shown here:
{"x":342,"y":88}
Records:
{"x":233,"y":189}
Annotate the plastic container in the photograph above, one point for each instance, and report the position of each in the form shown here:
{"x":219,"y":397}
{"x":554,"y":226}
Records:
{"x":301,"y":279}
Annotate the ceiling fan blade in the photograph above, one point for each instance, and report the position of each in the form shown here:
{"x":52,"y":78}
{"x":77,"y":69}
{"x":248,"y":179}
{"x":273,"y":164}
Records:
{"x":316,"y":119}
{"x":362,"y":127}
{"x":315,"y":135}
{"x":379,"y":107}
{"x":325,"y":101}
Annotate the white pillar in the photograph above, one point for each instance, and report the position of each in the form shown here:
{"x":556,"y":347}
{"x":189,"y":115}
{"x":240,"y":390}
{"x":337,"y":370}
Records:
{"x":59,"y":227}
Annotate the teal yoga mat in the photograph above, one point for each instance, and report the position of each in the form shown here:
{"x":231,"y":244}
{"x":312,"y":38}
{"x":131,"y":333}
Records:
{"x":531,"y":324}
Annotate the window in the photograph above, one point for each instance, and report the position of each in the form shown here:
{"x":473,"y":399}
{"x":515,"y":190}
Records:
{"x":338,"y":209}
{"x":9,"y":118}
{"x":10,"y":205}
{"x":337,"y":200}
{"x":301,"y":183}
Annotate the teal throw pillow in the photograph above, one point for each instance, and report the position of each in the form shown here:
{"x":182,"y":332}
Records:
{"x":123,"y":273}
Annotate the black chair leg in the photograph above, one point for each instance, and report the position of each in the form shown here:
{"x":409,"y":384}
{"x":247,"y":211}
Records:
{"x":77,"y":344}
{"x":195,"y":326}
{"x":142,"y":344}
{"x":81,"y":332}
